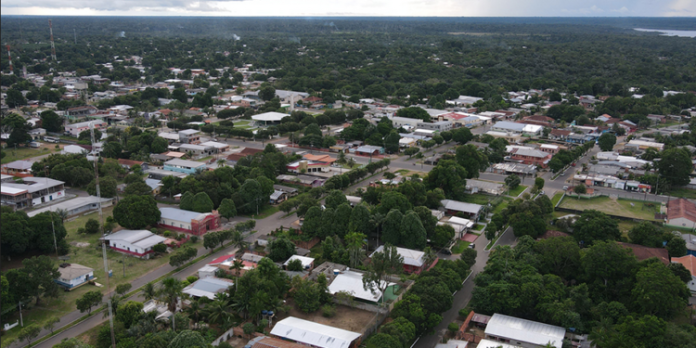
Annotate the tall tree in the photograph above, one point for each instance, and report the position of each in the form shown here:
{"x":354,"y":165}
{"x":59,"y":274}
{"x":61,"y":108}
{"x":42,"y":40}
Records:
{"x":227,"y":208}
{"x":675,"y":165}
{"x":473,"y":160}
{"x":360,"y":220}
{"x":413,"y":234}
{"x":391,"y":228}
{"x":659,"y":292}
{"x":202,"y":203}
{"x":382,"y":265}
{"x":594,"y":225}
{"x":606,"y":141}
{"x":137,"y":212}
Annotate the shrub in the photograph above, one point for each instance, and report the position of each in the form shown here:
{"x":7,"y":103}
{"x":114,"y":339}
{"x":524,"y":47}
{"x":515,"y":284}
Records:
{"x":328,"y":311}
{"x":464,"y":312}
{"x":167,"y":234}
{"x":159,"y":248}
{"x":453,"y":327}
{"x":154,"y":230}
{"x":194,"y":239}
{"x":191,"y":279}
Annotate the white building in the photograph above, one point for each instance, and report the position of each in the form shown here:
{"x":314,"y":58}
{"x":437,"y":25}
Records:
{"x":208,"y":287}
{"x":517,"y":128}
{"x":138,"y":243}
{"x":307,"y":262}
{"x":41,"y":189}
{"x":269,"y":117}
{"x":73,"y":275}
{"x":75,"y":129}
{"x":493,"y":344}
{"x":314,"y":334}
{"x":523,"y":332}
{"x":352,"y":282}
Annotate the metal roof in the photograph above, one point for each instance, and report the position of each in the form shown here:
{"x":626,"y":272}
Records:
{"x":139,"y":238}
{"x":73,"y":271}
{"x":34,"y":184}
{"x":180,"y":214}
{"x":21,"y":164}
{"x":485,"y":343}
{"x":207,"y":287}
{"x":459,"y":221}
{"x":470,"y":208}
{"x":69,"y":205}
{"x":306,"y":261}
{"x":184,"y":163}
{"x":269,"y":116}
{"x":314,"y":334}
{"x":352,"y":282}
{"x":411,"y":257}
{"x":523,"y":330}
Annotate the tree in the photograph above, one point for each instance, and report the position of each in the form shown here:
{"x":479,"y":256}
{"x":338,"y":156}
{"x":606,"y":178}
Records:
{"x":355,"y":242}
{"x":169,"y":292}
{"x":15,"y":98}
{"x":182,"y":256}
{"x":680,"y":271}
{"x":107,"y":187}
{"x":31,"y":331}
{"x":51,"y":121}
{"x":411,"y":151}
{"x":335,"y":198}
{"x":312,"y":222}
{"x":188,"y":339}
{"x":40,"y":273}
{"x":512,"y":181}
{"x":606,"y":141}
{"x":594,"y":225}
{"x":677,"y":247}
{"x":413,"y":234}
{"x":267,"y":93}
{"x":186,"y":201}
{"x":51,"y":322}
{"x":559,"y":256}
{"x":491,"y":230}
{"x":281,"y":249}
{"x":527,"y":224}
{"x":138,"y":188}
{"x":402,"y":329}
{"x":129,"y":313}
{"x":295,"y":265}
{"x":210,"y":241}
{"x":202,"y":203}
{"x":473,"y":160}
{"x":88,"y":300}
{"x":122,"y":289}
{"x":137,"y":212}
{"x":659,"y":292}
{"x":608,"y":269}
{"x":675,"y":165}
{"x":159,"y":145}
{"x":360,"y":220}
{"x":448,"y":176}
{"x":539,"y":183}
{"x":253,"y":197}
{"x":646,"y":234}
{"x":382,"y":265}
{"x":391,"y":141}
{"x":462,"y":135}
{"x":87,"y":135}
{"x":92,"y":226}
{"x":227,"y":208}
{"x":391,"y":228}
{"x":249,"y":328}
{"x":343,"y":214}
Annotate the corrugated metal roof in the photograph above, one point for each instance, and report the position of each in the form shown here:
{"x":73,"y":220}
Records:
{"x":315,"y":334}
{"x":522,"y":330}
{"x":352,"y":282}
{"x":180,"y":215}
{"x":411,"y":257}
{"x":461,"y":206}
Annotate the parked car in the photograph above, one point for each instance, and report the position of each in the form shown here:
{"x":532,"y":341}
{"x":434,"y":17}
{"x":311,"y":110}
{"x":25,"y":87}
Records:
{"x":472,"y":246}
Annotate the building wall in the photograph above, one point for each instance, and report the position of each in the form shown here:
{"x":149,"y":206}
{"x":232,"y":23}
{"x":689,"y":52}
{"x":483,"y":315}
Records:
{"x":179,"y":169}
{"x":186,"y":226}
{"x":48,"y":197}
{"x":682,"y":222}
{"x":71,"y":283}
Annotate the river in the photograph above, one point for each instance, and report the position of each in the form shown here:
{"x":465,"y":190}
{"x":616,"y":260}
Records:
{"x":664,"y":32}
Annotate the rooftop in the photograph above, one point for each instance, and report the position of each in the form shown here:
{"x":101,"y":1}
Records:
{"x":461,"y":206}
{"x":681,"y":208}
{"x":208,"y":287}
{"x":524,"y":330}
{"x":411,"y":257}
{"x":269,"y":117}
{"x":73,"y":270}
{"x":688,"y":261}
{"x":306,"y":261}
{"x":69,"y":205}
{"x":644,"y":253}
{"x":19,"y":165}
{"x":184,"y":163}
{"x":33,"y":184}
{"x":314,"y":334}
{"x":181,"y":215}
{"x":352,"y":282}
{"x":140,"y":238}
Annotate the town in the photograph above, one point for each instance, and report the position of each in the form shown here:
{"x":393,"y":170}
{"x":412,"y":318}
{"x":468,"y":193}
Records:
{"x":207,"y":203}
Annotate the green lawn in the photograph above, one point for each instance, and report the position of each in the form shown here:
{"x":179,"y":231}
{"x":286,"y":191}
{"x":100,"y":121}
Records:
{"x":478,"y":227}
{"x":12,"y":155}
{"x":267,"y":211}
{"x":556,"y":198}
{"x":516,"y":192}
{"x":459,"y":247}
{"x":680,"y":192}
{"x":499,"y":208}
{"x":90,"y":256}
{"x":620,"y":207}
{"x":477,"y":199}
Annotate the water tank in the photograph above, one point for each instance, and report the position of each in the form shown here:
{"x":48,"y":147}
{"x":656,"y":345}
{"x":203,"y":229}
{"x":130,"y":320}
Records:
{"x":336,"y":271}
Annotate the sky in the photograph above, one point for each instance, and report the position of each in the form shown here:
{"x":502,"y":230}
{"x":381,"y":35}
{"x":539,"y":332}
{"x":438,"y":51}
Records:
{"x":404,"y":8}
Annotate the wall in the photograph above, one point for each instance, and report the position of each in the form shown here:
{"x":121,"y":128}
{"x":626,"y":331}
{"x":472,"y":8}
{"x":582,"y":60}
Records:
{"x":175,"y":224}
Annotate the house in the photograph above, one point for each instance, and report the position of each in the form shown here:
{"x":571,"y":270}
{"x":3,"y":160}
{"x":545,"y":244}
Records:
{"x":398,"y":122}
{"x":277,"y":197}
{"x":469,"y":210}
{"x":484,"y":343}
{"x":517,"y":128}
{"x":247,"y":151}
{"x":197,"y":150}
{"x":184,"y":166}
{"x":559,"y":134}
{"x":352,"y":282}
{"x":512,"y":138}
{"x":307,"y":262}
{"x":513,"y":168}
{"x":690,"y":240}
{"x":452,"y":343}
{"x":75,"y":206}
{"x":217,"y":147}
{"x":155,"y":185}
{"x":315,"y":334}
{"x":37,"y":133}
{"x":208,"y":287}
{"x":40,"y":189}
{"x":189,"y":136}
{"x":14,"y":197}
{"x":414,"y":260}
{"x":461,"y":226}
{"x":369,"y":150}
{"x":75,"y":129}
{"x":159,"y":174}
{"x":189,"y":221}
{"x":73,"y":275}
{"x":303,"y":180}
{"x":19,"y":168}
{"x":523,"y":332}
{"x":127,"y":164}
{"x":463,"y":100}
{"x":689,"y":262}
{"x":311,"y":164}
{"x":644,"y":145}
{"x":267,"y":118}
{"x":681,"y":213}
{"x":272,"y":342}
{"x":74,"y":150}
{"x":474,"y":186}
{"x":657,"y":118}
{"x":80,"y":111}
{"x":290,"y":191}
{"x":531,"y":156}
{"x":550,"y":148}
{"x":440,"y":126}
{"x":138,"y":243}
{"x":643,"y":253}
{"x":538,"y":120}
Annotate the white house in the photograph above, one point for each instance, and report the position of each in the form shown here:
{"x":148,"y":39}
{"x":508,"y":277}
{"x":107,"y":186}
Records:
{"x":523,"y":332}
{"x":314,"y":334}
{"x":307,"y":262}
{"x":138,"y":243}
{"x":352,"y":282}
{"x":73,"y":275}
{"x":188,"y":221}
{"x":41,"y":189}
{"x":208,"y":287}
{"x":75,"y":129}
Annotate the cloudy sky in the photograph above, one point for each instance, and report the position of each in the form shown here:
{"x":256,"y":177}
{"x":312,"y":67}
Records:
{"x":445,"y":8}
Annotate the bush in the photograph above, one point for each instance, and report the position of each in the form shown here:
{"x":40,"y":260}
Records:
{"x":194,"y":239}
{"x":453,"y":327}
{"x":328,"y":311}
{"x":159,"y":248}
{"x":154,"y":230}
{"x":464,"y":312}
{"x":580,"y":189}
{"x":191,"y":279}
{"x":167,"y":234}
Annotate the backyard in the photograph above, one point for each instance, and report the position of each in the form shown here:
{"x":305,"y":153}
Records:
{"x":643,"y":210}
{"x":459,"y":247}
{"x":12,"y":155}
{"x":84,"y":251}
{"x":517,"y":191}
{"x":346,"y":318}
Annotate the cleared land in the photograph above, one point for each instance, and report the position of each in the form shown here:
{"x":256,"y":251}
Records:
{"x":347,"y":318}
{"x":12,"y":155}
{"x":632,"y":209}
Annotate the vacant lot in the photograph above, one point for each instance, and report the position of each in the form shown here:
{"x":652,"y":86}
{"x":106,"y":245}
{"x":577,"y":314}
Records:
{"x":632,"y":209}
{"x":27,"y":152}
{"x":347,"y":318}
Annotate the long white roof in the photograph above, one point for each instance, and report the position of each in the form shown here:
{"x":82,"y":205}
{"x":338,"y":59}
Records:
{"x":269,"y":116}
{"x":139,"y":238}
{"x":411,"y":257}
{"x":523,"y":330}
{"x":494,"y":344}
{"x":314,"y":334}
{"x":352,"y":282}
{"x":180,"y":214}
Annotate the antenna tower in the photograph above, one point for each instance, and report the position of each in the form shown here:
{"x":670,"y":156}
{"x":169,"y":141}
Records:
{"x":53,"y":45}
{"x":101,"y":222}
{"x":9,"y":56}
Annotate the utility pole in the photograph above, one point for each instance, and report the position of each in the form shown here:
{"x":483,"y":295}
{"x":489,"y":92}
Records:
{"x":9,"y":57}
{"x":55,"y":243}
{"x":53,"y":45}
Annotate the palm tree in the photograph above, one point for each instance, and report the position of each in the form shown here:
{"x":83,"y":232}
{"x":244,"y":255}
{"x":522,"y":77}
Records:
{"x":62,"y":213}
{"x":149,"y":291}
{"x":237,"y":267}
{"x":221,"y":162}
{"x":355,"y":242}
{"x":429,"y":256}
{"x":169,"y":292}
{"x":218,"y":310}
{"x":195,"y":311}
{"x":238,"y":241}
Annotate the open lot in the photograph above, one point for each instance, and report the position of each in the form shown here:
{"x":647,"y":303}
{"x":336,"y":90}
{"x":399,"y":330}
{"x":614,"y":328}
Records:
{"x":620,"y":207}
{"x":517,"y":191}
{"x":347,"y":318}
{"x":12,"y":155}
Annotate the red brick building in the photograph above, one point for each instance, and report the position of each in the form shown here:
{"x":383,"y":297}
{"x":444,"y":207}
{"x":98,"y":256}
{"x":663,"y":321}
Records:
{"x":531,"y":156}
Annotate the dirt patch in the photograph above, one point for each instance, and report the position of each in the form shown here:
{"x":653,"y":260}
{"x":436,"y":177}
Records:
{"x":80,"y":244}
{"x":347,"y":318}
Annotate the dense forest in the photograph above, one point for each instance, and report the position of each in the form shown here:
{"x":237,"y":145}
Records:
{"x":382,"y":57}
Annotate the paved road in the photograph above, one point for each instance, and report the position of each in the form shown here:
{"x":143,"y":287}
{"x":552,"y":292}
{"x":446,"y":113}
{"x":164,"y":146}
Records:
{"x":463,"y":296}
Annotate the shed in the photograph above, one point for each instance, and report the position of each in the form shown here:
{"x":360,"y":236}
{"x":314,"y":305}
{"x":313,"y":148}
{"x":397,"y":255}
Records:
{"x":314,"y":334}
{"x":307,"y":262}
{"x":73,"y":275}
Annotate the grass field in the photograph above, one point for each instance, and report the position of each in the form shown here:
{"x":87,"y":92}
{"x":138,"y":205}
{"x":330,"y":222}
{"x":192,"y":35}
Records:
{"x":12,"y":155}
{"x":680,"y":192}
{"x":90,"y":256}
{"x":619,"y":207}
{"x":267,"y":211}
{"x":459,"y":247}
{"x":516,"y":192}
{"x":477,"y":199}
{"x":556,"y":198}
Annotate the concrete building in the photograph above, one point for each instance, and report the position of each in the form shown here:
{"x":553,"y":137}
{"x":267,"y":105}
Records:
{"x":197,"y":150}
{"x":469,"y":210}
{"x":184,"y":166}
{"x":474,"y":186}
{"x":315,"y":334}
{"x":75,"y":206}
{"x":21,"y":168}
{"x":189,"y":136}
{"x":189,"y":221}
{"x":307,"y":262}
{"x":405,"y":122}
{"x":689,"y":262}
{"x":440,"y":126}
{"x":267,"y":118}
{"x":73,"y":275}
{"x":517,"y":128}
{"x":138,"y":243}
{"x":352,"y":282}
{"x":41,"y":189}
{"x":682,"y":213}
{"x":208,"y":287}
{"x":530,"y":156}
{"x":75,"y":129}
{"x":217,"y":147}
{"x":311,"y":164}
{"x":644,"y":145}
{"x":513,"y":168}
{"x":523,"y":333}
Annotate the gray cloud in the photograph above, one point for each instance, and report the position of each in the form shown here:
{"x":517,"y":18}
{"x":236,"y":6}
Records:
{"x":122,"y":5}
